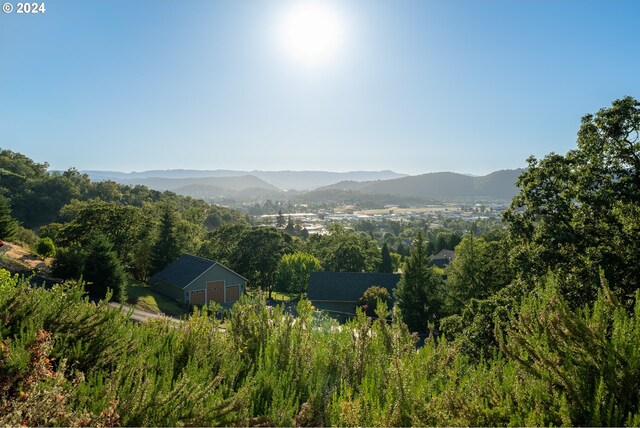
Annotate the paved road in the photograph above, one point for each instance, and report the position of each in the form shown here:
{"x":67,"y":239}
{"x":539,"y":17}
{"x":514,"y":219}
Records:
{"x":141,"y":316}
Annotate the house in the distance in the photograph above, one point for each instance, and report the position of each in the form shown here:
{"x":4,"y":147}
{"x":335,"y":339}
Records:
{"x":198,"y":281}
{"x":442,"y":259}
{"x":338,"y":292}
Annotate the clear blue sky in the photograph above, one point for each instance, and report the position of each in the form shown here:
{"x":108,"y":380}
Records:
{"x":418,"y":86}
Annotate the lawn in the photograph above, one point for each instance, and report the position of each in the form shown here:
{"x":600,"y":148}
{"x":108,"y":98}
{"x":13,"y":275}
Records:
{"x":276,"y":295}
{"x":142,"y":297}
{"x":283,"y":297}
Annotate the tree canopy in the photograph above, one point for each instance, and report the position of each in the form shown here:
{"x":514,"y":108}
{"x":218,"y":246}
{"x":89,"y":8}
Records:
{"x":419,"y":290}
{"x":293,"y":272}
{"x":580,"y":213}
{"x":8,"y":225}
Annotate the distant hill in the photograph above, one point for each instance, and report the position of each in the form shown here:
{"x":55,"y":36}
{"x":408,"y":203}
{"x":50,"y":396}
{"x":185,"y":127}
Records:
{"x":211,"y":192}
{"x":498,"y":185}
{"x":228,"y":183}
{"x":311,"y":180}
{"x":284,"y":180}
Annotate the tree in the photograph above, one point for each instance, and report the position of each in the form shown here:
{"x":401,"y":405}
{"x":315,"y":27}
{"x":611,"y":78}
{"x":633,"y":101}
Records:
{"x":8,"y":225}
{"x":446,"y":241}
{"x":418,"y":292}
{"x":386,"y":264}
{"x":293,"y":272}
{"x":122,"y":225}
{"x":257,"y":255}
{"x":291,"y":227}
{"x":220,"y":245}
{"x":345,"y":251}
{"x":580,"y":212}
{"x":478,"y":270}
{"x":69,"y":262}
{"x":51,"y":230}
{"x":104,"y":270}
{"x":166,"y":248}
{"x":218,"y":216}
{"x":347,"y":256}
{"x":280,"y":220}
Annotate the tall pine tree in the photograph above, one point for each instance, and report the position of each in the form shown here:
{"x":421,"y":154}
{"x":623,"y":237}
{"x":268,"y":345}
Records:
{"x":167,"y":247}
{"x":386,"y":265}
{"x":418,"y":292}
{"x":104,"y":270}
{"x":8,"y":225}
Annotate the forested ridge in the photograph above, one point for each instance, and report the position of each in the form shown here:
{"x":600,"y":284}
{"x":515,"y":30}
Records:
{"x":537,"y":321}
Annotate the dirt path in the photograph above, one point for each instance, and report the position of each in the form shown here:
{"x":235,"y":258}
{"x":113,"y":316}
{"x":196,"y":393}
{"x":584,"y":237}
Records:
{"x":18,"y":253}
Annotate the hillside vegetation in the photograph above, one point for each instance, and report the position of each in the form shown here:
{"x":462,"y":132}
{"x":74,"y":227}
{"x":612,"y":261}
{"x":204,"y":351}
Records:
{"x":65,"y":361}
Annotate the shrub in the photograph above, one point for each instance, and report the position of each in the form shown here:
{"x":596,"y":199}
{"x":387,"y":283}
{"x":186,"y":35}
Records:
{"x":46,"y":248}
{"x":369,"y":300}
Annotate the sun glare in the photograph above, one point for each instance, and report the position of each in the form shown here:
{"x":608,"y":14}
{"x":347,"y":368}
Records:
{"x":311,"y":33}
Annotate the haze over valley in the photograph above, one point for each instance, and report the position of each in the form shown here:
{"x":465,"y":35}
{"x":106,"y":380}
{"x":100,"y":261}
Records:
{"x":261,"y":185}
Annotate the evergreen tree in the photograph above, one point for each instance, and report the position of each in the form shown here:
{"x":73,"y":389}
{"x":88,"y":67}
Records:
{"x":104,"y":270}
{"x":280,"y":221}
{"x":418,"y":292}
{"x":386,"y":265}
{"x":69,"y":262}
{"x":291,"y":228}
{"x":167,"y":247}
{"x":8,"y":225}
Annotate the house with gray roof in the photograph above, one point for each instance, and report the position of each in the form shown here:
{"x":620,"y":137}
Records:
{"x":198,"y":281}
{"x":337,"y":293}
{"x":442,"y":259}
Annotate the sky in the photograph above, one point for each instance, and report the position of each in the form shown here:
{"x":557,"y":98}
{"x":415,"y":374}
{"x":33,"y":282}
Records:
{"x":337,"y":85}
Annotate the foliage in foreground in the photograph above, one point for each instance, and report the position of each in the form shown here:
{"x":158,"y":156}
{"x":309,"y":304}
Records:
{"x":67,"y":361}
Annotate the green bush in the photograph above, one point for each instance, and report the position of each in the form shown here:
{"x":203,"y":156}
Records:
{"x":46,"y":248}
{"x":370,"y":298}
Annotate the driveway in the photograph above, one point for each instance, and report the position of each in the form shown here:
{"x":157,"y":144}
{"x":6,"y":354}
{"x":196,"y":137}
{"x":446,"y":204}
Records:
{"x":141,"y":316}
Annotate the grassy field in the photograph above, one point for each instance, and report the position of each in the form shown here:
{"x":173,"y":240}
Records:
{"x":142,"y":297}
{"x":283,"y":297}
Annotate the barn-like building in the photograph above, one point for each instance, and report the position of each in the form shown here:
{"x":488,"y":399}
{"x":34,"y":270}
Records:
{"x":198,"y":281}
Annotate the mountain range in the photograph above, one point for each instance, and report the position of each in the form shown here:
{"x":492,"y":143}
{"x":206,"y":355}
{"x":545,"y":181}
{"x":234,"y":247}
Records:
{"x":498,"y":184}
{"x":253,"y":185}
{"x":283,"y":180}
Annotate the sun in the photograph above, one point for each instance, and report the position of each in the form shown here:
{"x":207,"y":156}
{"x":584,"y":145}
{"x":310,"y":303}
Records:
{"x":311,"y":33}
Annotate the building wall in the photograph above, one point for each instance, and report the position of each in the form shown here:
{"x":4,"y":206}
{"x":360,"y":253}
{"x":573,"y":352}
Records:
{"x":169,"y":290}
{"x":215,"y":273}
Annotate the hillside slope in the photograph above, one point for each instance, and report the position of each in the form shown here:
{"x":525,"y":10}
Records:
{"x":499,"y":185}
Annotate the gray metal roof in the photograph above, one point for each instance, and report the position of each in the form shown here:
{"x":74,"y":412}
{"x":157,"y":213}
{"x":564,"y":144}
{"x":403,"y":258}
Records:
{"x":184,"y":270}
{"x":442,"y":259}
{"x":348,"y":286}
